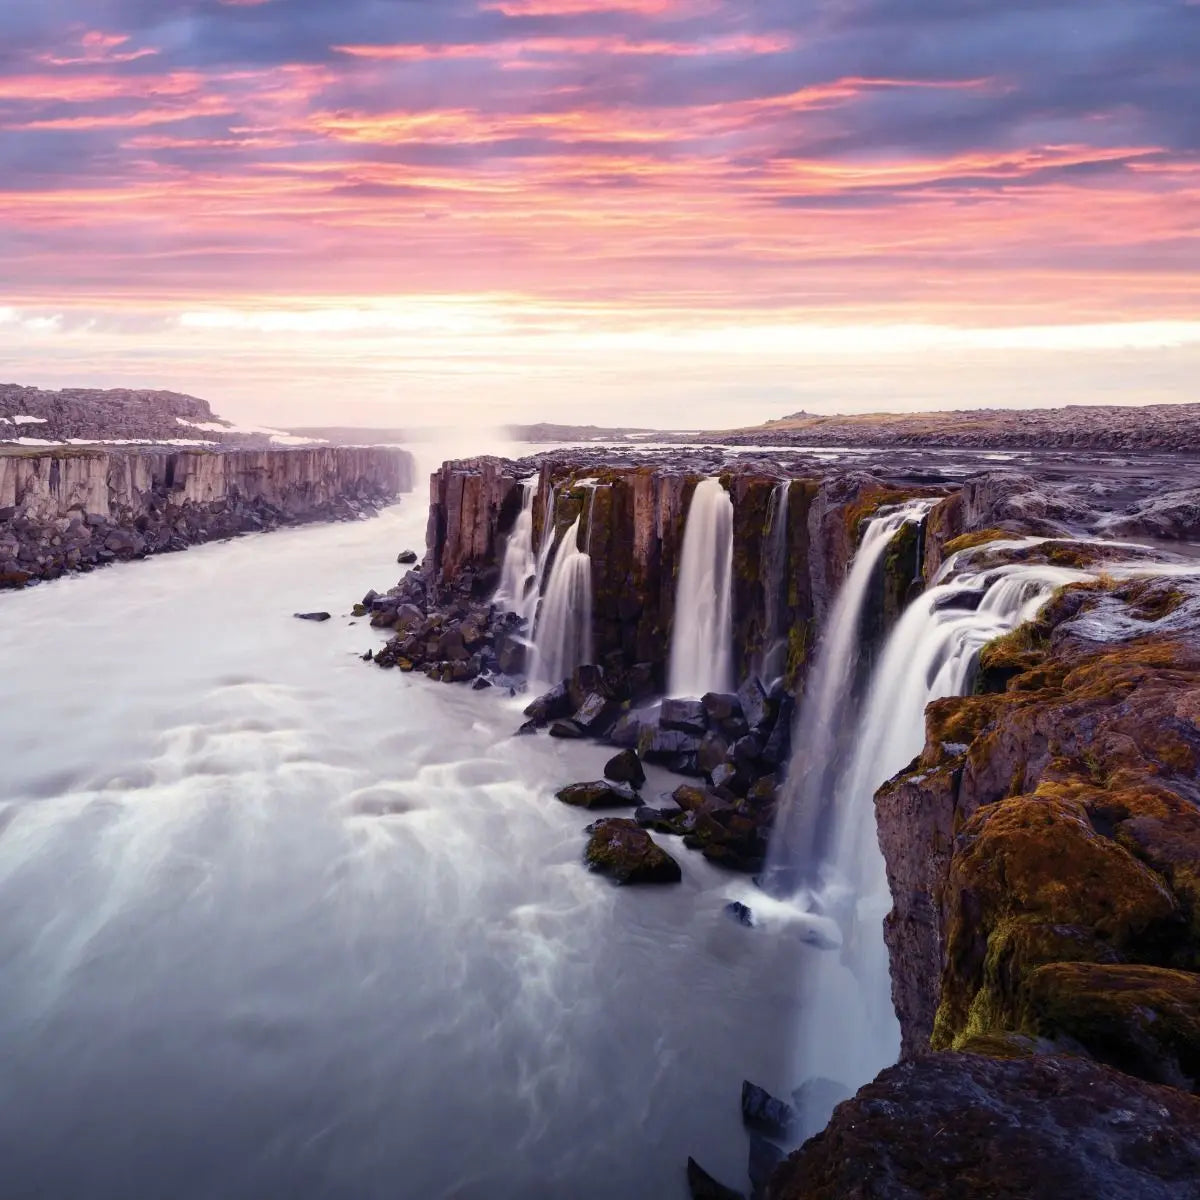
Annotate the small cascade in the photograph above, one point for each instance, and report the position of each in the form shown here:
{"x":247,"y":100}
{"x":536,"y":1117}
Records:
{"x":800,"y":841}
{"x":518,"y":590}
{"x":848,"y":1030}
{"x":774,"y":575}
{"x":702,"y":631}
{"x":547,"y":544}
{"x":562,"y":639}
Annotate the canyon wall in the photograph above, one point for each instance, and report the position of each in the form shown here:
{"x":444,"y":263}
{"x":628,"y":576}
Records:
{"x":632,"y":521}
{"x":72,"y":509}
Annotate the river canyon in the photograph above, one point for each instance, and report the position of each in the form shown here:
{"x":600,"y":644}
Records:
{"x":284,"y":923}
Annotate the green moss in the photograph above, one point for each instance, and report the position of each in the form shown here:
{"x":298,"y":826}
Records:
{"x":969,"y":541}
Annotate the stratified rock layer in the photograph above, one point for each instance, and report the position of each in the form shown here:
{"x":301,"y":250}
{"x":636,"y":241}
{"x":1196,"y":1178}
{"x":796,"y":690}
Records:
{"x":73,"y":509}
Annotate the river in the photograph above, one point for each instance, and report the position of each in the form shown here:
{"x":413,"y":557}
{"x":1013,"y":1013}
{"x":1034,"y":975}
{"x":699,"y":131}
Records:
{"x":280,"y":923}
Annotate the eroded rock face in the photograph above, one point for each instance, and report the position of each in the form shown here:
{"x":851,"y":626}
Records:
{"x":1054,"y":821}
{"x":73,"y":509}
{"x":950,"y":1126}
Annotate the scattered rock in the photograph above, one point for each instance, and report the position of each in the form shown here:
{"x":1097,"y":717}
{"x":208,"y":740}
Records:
{"x":741,"y":914}
{"x":312,"y":616}
{"x":702,"y":1186}
{"x":624,"y":851}
{"x":565,"y":729}
{"x":625,"y":767}
{"x":406,"y":557}
{"x":765,"y":1113}
{"x":600,"y":794}
{"x":683,"y":716}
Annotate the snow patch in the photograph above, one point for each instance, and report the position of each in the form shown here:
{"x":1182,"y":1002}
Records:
{"x":27,"y":420}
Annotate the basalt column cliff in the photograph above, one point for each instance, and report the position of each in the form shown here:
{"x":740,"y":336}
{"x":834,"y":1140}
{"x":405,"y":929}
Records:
{"x":75,"y":508}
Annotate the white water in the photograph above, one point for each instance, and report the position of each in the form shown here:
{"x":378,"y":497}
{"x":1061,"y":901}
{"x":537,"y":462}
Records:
{"x":848,"y":1030}
{"x":702,"y":634}
{"x":518,"y":588}
{"x":800,"y":840}
{"x":280,"y":923}
{"x":562,"y":640}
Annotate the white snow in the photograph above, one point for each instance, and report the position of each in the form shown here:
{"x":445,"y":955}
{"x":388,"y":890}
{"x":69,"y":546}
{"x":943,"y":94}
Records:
{"x":26,"y":420}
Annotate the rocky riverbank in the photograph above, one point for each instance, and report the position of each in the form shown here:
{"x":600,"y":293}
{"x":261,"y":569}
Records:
{"x":77,"y":508}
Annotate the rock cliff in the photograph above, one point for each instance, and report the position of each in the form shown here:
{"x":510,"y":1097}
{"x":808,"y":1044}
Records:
{"x":73,"y":509}
{"x":632,"y":519}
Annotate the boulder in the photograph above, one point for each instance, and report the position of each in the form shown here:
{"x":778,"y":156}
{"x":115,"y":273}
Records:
{"x":600,"y":794}
{"x":657,"y":745}
{"x":721,"y":706}
{"x":551,"y":705}
{"x":406,"y":557}
{"x":753,"y":700}
{"x":312,"y":616}
{"x":625,"y":852}
{"x":627,"y":731}
{"x":584,"y":682}
{"x":738,"y":912}
{"x":702,"y":1186}
{"x":622,"y":850}
{"x":712,"y":752}
{"x":661,"y":820}
{"x":625,"y":767}
{"x":596,"y":715}
{"x":565,"y":729}
{"x":683,"y":716}
{"x":766,"y":1113}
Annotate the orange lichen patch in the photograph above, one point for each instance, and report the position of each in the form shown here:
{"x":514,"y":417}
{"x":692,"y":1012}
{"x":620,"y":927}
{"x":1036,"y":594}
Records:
{"x":1140,"y":1019}
{"x":968,"y":541}
{"x":1031,"y":881}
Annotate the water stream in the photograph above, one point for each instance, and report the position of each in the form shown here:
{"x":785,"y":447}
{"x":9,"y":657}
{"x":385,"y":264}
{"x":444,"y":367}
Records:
{"x":279,"y":923}
{"x":702,"y":629}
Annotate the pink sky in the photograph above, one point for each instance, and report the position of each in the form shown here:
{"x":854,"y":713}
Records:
{"x":669,"y":212}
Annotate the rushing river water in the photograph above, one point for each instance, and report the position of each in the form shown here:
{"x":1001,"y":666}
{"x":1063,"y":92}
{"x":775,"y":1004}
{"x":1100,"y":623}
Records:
{"x":279,"y":923}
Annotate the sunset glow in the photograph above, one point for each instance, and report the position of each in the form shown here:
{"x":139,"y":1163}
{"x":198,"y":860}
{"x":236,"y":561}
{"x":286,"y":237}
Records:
{"x":526,"y":187}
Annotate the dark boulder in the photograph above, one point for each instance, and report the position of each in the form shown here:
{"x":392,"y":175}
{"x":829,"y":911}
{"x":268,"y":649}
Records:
{"x":565,"y":729}
{"x":600,"y":794}
{"x":745,"y":751}
{"x":666,"y":746}
{"x":406,"y":557}
{"x":625,"y":767}
{"x":683,"y":716}
{"x":312,"y":616}
{"x":712,"y":752}
{"x":661,"y":820}
{"x":721,"y":706}
{"x":511,"y":655}
{"x":763,"y":1161}
{"x":550,"y":705}
{"x":597,"y":714}
{"x":622,"y":850}
{"x":702,"y":1186}
{"x":584,"y":682}
{"x":754,"y":702}
{"x":627,"y":731}
{"x":765,"y":1113}
{"x":740,"y":913}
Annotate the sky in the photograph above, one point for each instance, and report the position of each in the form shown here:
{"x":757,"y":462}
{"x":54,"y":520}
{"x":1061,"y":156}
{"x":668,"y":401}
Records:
{"x":671,"y":213}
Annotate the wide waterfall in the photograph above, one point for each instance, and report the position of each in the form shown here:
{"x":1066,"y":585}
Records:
{"x":774,"y":576}
{"x":519,"y":576}
{"x":848,"y":1030}
{"x":562,"y":639}
{"x":702,"y":637}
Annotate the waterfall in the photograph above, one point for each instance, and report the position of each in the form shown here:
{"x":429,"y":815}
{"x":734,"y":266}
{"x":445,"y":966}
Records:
{"x":848,"y":1029}
{"x":562,"y":639}
{"x":702,"y":634}
{"x":518,"y":590}
{"x":773,"y":573}
{"x":800,"y":839}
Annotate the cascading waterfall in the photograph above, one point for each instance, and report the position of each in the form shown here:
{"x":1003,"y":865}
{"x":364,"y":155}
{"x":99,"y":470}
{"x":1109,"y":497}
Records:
{"x":848,"y":1029}
{"x":562,"y":639}
{"x":800,"y":841}
{"x":518,"y":590}
{"x":775,"y":585}
{"x":702,"y":635}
